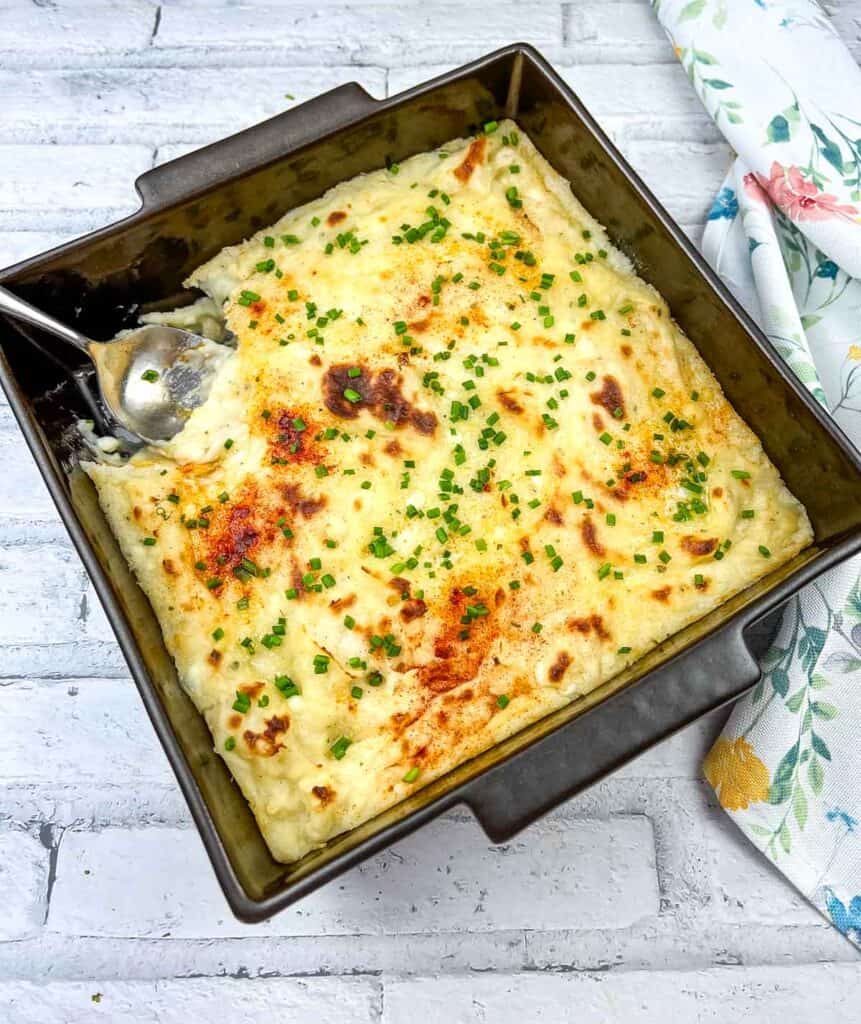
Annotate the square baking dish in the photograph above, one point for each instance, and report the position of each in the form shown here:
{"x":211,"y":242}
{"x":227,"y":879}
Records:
{"x":194,"y":206}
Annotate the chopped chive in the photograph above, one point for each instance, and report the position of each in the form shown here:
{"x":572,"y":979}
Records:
{"x":413,"y":773}
{"x":513,"y":199}
{"x":286,"y":687}
{"x":339,"y":747}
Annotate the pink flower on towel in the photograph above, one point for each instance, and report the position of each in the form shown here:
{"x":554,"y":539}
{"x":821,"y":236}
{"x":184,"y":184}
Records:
{"x":754,"y":189}
{"x":798,"y":198}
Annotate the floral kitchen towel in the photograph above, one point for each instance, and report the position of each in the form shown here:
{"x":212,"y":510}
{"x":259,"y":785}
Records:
{"x":784,"y":233}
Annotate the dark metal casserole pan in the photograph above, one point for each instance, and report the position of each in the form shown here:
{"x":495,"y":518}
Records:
{"x":216,"y":196}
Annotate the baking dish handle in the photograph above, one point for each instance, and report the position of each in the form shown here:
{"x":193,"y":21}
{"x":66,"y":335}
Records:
{"x":252,"y":148}
{"x":509,"y":797}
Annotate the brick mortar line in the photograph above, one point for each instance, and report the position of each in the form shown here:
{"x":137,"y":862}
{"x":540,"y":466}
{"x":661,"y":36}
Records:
{"x":95,"y":646}
{"x":156,"y":25}
{"x":555,"y":821}
{"x":694,"y":129}
{"x":300,"y":58}
{"x":51,"y":842}
{"x":227,"y":59}
{"x":665,"y":949}
{"x":566,"y":13}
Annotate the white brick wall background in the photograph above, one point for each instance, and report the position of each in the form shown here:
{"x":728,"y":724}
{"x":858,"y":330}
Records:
{"x":636,"y":902}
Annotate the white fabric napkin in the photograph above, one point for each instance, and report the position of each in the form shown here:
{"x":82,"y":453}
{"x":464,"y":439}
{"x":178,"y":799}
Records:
{"x":784,"y":233}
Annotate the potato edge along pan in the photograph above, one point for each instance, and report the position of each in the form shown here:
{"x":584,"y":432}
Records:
{"x":220,"y":194}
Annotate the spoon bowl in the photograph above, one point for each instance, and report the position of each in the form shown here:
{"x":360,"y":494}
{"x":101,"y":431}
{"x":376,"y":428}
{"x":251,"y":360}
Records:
{"x":150,"y":379}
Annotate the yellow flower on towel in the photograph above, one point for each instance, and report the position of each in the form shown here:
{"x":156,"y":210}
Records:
{"x":738,"y":776}
{"x":855,"y":353}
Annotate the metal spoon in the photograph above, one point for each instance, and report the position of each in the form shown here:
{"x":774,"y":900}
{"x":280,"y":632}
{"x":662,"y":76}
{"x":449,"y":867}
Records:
{"x":150,"y":379}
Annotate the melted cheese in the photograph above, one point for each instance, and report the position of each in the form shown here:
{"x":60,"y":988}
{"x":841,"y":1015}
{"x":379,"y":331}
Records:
{"x":462,"y":469}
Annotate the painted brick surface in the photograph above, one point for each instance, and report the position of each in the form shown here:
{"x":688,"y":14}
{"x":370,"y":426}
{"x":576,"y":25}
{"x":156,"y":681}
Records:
{"x":322,"y":1000}
{"x":636,"y":900}
{"x":128,"y":105}
{"x":20,"y":245}
{"x":24,"y":881}
{"x":40,"y":594}
{"x":54,"y":187}
{"x":22,"y":491}
{"x":745,"y":891}
{"x":669,"y":167}
{"x":770,"y":995}
{"x":86,"y":731}
{"x":366,"y":33}
{"x":71,"y":32}
{"x":446,"y":878}
{"x":613,"y":33}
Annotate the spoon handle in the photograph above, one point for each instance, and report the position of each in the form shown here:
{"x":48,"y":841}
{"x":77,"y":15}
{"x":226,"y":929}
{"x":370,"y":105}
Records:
{"x":17,"y":308}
